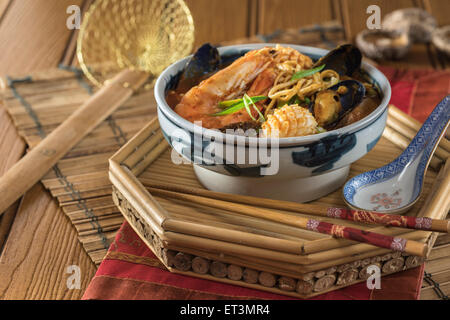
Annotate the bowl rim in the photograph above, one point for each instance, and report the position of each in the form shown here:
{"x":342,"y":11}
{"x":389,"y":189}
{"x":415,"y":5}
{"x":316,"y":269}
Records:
{"x":218,"y":136}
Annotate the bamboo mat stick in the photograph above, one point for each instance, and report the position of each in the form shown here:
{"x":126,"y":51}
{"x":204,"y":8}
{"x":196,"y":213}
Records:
{"x":415,"y":125}
{"x":245,"y":238}
{"x":313,"y":209}
{"x":147,"y":146}
{"x":395,"y":112}
{"x":149,"y":220}
{"x":150,"y":157}
{"x":140,"y":138}
{"x":409,"y":133}
{"x":397,"y":244}
{"x":438,"y":200}
{"x":402,"y":142}
{"x":190,"y":241}
{"x":120,"y":176}
{"x":235,"y":221}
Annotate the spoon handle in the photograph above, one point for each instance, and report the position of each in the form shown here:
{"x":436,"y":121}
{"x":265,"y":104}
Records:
{"x":372,"y":217}
{"x":430,"y":133}
{"x":426,"y":139}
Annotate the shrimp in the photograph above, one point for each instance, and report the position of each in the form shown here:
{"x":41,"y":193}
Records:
{"x":260,"y":87}
{"x":200,"y":102}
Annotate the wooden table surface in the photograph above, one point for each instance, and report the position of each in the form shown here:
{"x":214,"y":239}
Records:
{"x":37,"y":241}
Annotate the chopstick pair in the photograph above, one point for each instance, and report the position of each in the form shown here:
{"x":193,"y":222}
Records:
{"x":246,"y":205}
{"x":367,"y":217}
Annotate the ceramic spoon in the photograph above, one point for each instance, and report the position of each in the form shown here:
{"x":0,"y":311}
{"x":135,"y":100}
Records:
{"x":395,"y":187}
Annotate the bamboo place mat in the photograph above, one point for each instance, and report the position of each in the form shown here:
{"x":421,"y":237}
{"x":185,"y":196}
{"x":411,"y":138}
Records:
{"x":37,"y":105}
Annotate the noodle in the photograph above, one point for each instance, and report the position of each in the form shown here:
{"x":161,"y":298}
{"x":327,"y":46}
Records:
{"x":288,"y":62}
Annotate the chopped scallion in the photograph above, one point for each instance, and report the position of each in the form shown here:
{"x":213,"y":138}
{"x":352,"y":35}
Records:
{"x":250,"y":101}
{"x":247,"y":107}
{"x":237,"y":104}
{"x":306,"y":73}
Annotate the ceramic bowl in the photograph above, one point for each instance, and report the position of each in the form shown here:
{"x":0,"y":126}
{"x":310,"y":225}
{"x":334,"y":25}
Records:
{"x":296,"y":169}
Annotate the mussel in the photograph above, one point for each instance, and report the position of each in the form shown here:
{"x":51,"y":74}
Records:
{"x":331,"y":105}
{"x":345,"y":60}
{"x":205,"y":61}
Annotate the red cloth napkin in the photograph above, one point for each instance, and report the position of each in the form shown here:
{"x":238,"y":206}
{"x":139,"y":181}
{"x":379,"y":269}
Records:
{"x":417,"y":92}
{"x":131,"y":271}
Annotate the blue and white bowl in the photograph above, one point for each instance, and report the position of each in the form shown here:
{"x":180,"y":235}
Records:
{"x":297,"y":169}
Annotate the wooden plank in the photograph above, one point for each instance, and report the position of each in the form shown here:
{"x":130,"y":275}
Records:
{"x":355,"y":17}
{"x":440,"y":252}
{"x":419,"y":56}
{"x":439,"y":9}
{"x":4,"y":5}
{"x":34,"y":263}
{"x":443,"y":239}
{"x":437,"y":265}
{"x":69,"y":58}
{"x":11,"y":147}
{"x":79,"y":215}
{"x":39,"y":34}
{"x":216,"y":21}
{"x":283,"y":14}
{"x":429,"y":294}
{"x":253,"y":17}
{"x":439,"y":277}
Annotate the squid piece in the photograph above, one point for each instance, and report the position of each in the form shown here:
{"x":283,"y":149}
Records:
{"x":290,"y":121}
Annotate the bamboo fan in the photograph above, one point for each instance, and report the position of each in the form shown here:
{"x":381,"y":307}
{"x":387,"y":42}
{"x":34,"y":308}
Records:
{"x":144,"y":35}
{"x":122,"y":45}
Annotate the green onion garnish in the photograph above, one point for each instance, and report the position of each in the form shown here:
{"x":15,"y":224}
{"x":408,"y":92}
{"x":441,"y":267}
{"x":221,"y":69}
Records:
{"x":237,"y":104}
{"x":229,"y":103}
{"x":306,"y":73}
{"x":251,"y":102}
{"x":247,"y":107}
{"x":234,"y":108}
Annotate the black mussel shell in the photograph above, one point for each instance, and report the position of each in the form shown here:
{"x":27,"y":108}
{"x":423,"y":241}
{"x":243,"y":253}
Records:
{"x":242,"y":127}
{"x":206,"y":60}
{"x":349,"y":100}
{"x":229,"y":58}
{"x":354,"y":95}
{"x":345,"y":60}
